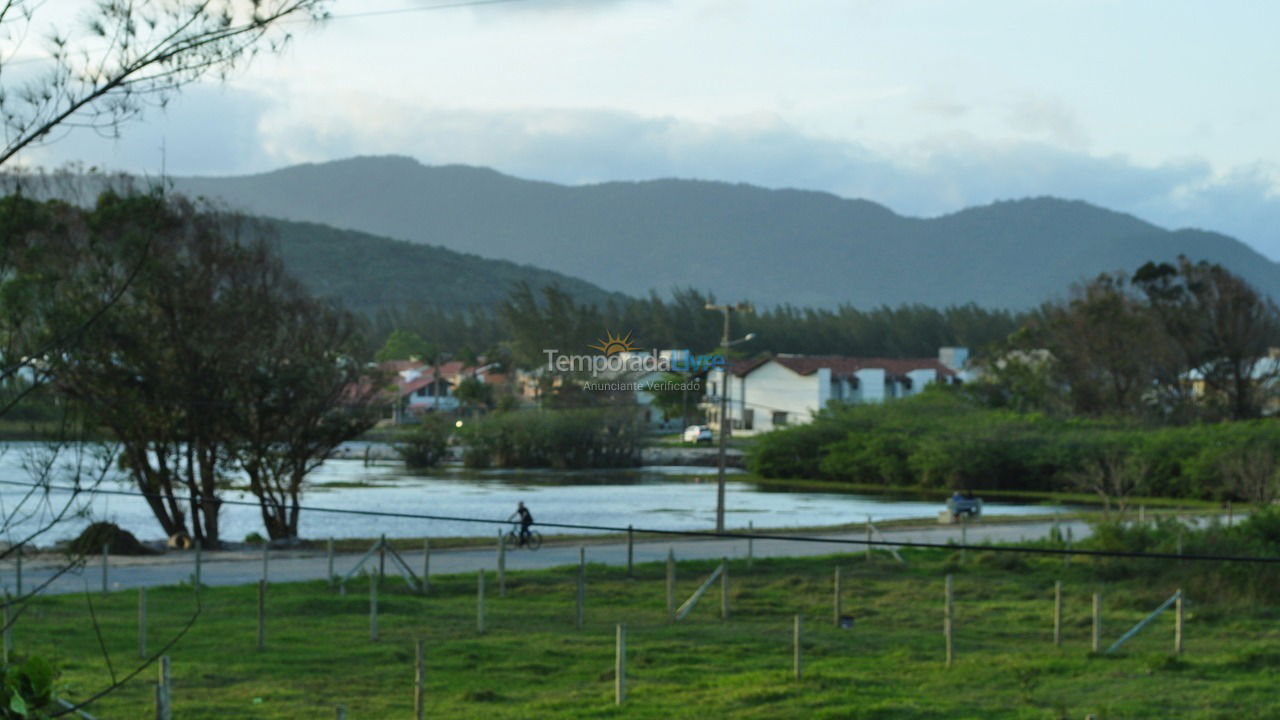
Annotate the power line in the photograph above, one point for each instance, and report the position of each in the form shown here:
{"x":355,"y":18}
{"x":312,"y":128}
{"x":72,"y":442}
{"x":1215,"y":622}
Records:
{"x":711,"y":535}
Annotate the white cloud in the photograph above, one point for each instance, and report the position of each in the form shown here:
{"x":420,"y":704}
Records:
{"x":229,"y":130}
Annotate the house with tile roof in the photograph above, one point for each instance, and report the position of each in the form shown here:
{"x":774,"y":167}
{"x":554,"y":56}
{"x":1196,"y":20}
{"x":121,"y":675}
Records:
{"x":773,"y":391}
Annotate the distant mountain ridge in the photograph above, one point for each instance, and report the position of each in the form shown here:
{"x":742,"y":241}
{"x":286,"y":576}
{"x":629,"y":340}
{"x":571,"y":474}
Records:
{"x":368,"y":273}
{"x":736,"y":241}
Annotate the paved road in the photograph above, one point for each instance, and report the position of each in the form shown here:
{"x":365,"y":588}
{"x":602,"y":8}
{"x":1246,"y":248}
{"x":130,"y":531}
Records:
{"x":239,"y":568}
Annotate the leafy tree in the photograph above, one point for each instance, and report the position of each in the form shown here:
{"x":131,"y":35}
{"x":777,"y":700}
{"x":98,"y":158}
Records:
{"x":298,"y":395}
{"x":1222,"y":327}
{"x":1100,"y":341}
{"x":212,"y":361}
{"x":474,"y":394}
{"x":404,"y":345}
{"x":675,"y":395}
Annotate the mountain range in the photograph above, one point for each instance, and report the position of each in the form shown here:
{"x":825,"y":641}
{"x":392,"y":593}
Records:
{"x":736,"y":241}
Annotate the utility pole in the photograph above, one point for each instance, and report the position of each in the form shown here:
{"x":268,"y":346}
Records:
{"x":725,"y":342}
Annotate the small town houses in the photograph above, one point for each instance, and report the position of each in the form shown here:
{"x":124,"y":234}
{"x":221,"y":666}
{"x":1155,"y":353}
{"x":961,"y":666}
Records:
{"x":774,"y":391}
{"x":419,"y":388}
{"x":765,"y":392}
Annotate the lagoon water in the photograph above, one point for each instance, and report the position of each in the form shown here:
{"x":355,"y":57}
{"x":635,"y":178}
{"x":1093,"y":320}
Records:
{"x":666,"y":498}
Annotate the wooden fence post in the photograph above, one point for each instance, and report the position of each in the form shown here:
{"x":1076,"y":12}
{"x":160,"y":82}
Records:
{"x":948,"y":622}
{"x":164,"y":699}
{"x":751,"y":541}
{"x":868,"y":538}
{"x":266,"y":550}
{"x":1229,"y":514}
{"x":1097,"y":622}
{"x":340,"y":712}
{"x":18,"y":559}
{"x":373,"y":606}
{"x":795,"y":648}
{"x":329,"y":552}
{"x":382,"y":557}
{"x":620,"y":666}
{"x":8,"y":629}
{"x":1177,"y":624}
{"x":199,"y":563}
{"x":480,"y":601}
{"x":426,"y":565}
{"x":631,"y":550}
{"x":142,"y":623}
{"x":105,"y":548}
{"x":262,"y":615}
{"x":837,"y":609}
{"x":964,"y":536}
{"x":582,"y":587}
{"x":419,"y":680}
{"x":1057,"y":613}
{"x":724,"y":589}
{"x":502,"y":564}
{"x":671,"y":585}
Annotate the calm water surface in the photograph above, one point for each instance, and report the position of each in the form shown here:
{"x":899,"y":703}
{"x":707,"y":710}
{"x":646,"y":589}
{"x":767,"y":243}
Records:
{"x":676,"y":498}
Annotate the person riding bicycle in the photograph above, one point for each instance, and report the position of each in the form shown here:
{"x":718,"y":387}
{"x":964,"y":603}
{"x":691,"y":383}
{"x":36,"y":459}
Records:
{"x":526,"y":519}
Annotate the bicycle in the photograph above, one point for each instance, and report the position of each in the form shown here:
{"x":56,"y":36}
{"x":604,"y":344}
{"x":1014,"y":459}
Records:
{"x":513,"y":538}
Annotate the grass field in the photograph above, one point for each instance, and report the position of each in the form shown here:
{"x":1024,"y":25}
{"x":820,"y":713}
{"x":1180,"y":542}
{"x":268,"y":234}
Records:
{"x":533,"y":663}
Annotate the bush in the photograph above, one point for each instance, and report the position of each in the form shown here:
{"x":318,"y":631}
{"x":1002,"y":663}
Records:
{"x":943,"y":440}
{"x":426,"y":444}
{"x":117,"y":540}
{"x":562,"y":439}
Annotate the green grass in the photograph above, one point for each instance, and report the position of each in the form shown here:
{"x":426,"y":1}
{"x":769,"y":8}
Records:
{"x":532,"y":663}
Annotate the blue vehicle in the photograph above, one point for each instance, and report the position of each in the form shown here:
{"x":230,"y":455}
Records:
{"x":959,"y":506}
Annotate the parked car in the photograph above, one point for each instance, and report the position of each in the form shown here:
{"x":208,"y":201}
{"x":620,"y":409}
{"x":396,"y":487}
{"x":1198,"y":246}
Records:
{"x":697,"y":434}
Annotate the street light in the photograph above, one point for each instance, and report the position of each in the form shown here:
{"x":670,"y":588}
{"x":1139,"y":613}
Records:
{"x":726,"y":343}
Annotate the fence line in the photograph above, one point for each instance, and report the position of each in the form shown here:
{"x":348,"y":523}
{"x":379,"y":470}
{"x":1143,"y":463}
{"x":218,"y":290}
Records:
{"x":1066,"y":552}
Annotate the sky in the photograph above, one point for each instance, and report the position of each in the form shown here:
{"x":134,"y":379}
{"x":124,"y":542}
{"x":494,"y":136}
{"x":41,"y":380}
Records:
{"x":1167,"y":110}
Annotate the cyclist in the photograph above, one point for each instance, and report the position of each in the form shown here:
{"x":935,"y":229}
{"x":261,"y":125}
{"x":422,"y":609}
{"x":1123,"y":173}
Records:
{"x":526,"y":519}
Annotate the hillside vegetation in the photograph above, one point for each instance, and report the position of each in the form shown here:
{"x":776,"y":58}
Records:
{"x":738,"y":241}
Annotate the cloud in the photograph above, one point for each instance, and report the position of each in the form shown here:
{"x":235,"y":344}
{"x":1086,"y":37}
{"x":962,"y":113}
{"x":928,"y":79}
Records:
{"x":219,"y":131}
{"x":209,"y":129}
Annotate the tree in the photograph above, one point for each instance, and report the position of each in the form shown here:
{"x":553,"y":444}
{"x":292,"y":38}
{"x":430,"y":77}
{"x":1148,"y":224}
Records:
{"x":403,"y":345}
{"x":129,"y":55}
{"x":297,"y":395}
{"x":474,"y":394}
{"x":213,"y":360}
{"x":675,"y":394}
{"x":1101,"y":342}
{"x":1218,"y":326}
{"x":1252,"y":474}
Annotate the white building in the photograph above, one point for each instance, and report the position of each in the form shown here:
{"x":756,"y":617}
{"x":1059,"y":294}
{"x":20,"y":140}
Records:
{"x":779,"y":390}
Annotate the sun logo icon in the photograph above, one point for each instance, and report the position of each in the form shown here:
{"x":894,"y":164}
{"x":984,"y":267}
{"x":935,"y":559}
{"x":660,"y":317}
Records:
{"x":611,"y":345}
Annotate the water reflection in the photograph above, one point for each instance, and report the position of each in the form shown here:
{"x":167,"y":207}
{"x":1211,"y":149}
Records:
{"x":658,"y":498}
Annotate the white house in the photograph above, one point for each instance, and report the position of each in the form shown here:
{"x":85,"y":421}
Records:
{"x":774,"y":391}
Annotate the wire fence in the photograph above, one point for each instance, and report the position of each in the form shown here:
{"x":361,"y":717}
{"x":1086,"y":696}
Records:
{"x":1014,"y":618}
{"x":549,"y":639}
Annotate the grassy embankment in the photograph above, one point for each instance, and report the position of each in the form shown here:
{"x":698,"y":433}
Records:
{"x":531,"y":662}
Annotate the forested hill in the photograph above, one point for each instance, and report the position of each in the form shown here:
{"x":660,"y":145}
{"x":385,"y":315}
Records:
{"x":736,"y":241}
{"x":369,"y":273}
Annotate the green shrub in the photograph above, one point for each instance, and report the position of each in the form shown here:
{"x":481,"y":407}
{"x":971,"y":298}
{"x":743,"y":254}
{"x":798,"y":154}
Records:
{"x":425,"y":444}
{"x":944,"y":440}
{"x":562,"y":439}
